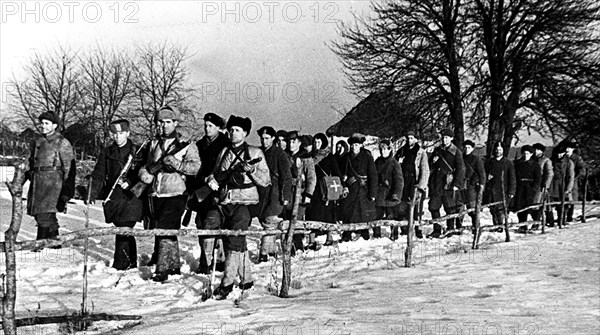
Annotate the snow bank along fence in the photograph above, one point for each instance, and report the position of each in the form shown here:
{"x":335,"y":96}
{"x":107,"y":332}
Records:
{"x":287,"y":229}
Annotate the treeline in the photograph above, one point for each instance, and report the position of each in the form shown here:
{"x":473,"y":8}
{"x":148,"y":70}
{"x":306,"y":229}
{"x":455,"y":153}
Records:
{"x":91,"y":88}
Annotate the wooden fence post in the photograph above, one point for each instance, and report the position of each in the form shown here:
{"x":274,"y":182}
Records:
{"x":477,"y":223}
{"x":411,"y":228}
{"x":286,"y":278}
{"x":9,"y":290}
{"x":585,"y":187}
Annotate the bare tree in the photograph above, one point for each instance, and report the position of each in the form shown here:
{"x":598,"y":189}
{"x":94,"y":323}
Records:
{"x":108,"y":83}
{"x":51,"y":82}
{"x":537,"y":57}
{"x":160,"y":78}
{"x":417,"y":48}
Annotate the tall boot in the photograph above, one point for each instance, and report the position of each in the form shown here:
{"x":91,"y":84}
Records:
{"x":122,"y":259}
{"x":168,"y":262}
{"x":394,"y":234}
{"x":376,"y":232}
{"x":42,"y":233}
{"x":298,"y":244}
{"x":132,"y":252}
{"x":206,"y":251}
{"x":437,"y":231}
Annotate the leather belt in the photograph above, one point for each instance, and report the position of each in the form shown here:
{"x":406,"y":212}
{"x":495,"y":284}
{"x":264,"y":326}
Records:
{"x":46,"y":168}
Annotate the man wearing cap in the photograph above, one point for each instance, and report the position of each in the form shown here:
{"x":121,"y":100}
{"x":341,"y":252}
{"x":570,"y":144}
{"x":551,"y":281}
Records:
{"x":276,"y":196}
{"x":547,"y":174}
{"x":580,"y":167}
{"x":360,"y":185}
{"x":501,"y":184}
{"x":239,"y":170}
{"x":529,"y":177}
{"x":303,"y":167}
{"x":170,"y":160}
{"x":122,"y":209}
{"x":390,"y":185}
{"x":446,"y":181}
{"x":474,"y":176}
{"x":52,"y":176}
{"x":208,"y":215}
{"x":562,"y":182}
{"x":415,"y":170}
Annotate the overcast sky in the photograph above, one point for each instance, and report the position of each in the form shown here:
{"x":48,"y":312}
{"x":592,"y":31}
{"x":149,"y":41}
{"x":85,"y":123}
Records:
{"x":269,"y":60}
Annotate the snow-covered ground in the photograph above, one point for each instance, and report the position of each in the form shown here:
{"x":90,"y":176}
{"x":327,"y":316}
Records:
{"x":538,"y":284}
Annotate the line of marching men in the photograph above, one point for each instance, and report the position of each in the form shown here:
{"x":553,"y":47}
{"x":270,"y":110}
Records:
{"x":227,"y":182}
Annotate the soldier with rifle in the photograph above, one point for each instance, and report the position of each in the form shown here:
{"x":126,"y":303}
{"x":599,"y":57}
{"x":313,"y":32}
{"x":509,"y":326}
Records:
{"x":239,"y":171}
{"x":208,"y":215}
{"x":52,"y":176}
{"x":116,"y":171}
{"x":169,"y":161}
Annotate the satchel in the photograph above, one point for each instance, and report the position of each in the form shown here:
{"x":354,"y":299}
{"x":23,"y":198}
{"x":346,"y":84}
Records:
{"x":331,"y":188}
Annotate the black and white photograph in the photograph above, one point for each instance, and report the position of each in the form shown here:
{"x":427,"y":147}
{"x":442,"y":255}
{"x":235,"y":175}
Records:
{"x":423,"y":167}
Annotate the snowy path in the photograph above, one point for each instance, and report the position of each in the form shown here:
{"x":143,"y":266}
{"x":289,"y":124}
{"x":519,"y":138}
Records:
{"x":539,"y":284}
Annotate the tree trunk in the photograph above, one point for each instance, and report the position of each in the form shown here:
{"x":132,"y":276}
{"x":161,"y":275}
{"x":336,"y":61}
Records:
{"x":286,"y":279}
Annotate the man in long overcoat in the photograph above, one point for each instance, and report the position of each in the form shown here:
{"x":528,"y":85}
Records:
{"x":208,"y":215}
{"x":474,"y":176}
{"x":579,"y":166}
{"x":415,"y":170}
{"x":275,"y":197}
{"x":391,"y":184}
{"x":501,"y":185}
{"x":446,"y":181}
{"x":529,"y":176}
{"x":547,"y":174}
{"x":122,"y":209}
{"x":52,"y":176}
{"x":360,"y":180}
{"x":562,"y":183}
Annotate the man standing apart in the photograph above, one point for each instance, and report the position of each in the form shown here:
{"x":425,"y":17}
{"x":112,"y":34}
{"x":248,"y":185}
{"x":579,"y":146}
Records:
{"x":237,"y":179}
{"x":51,"y":164}
{"x":447,"y":179}
{"x":208,"y":215}
{"x":276,"y":196}
{"x":174,"y":159}
{"x":122,"y":209}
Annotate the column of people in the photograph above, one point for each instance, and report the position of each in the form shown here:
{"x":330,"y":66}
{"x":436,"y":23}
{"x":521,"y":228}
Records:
{"x":227,"y":182}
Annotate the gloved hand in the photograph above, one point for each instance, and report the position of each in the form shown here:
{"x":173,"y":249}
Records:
{"x":345,"y":192}
{"x":395,"y":197}
{"x":212,"y":183}
{"x":247,"y":167}
{"x":91,"y":202}
{"x":146,"y":177}
{"x":172,"y":162}
{"x":306,"y":198}
{"x":65,"y":198}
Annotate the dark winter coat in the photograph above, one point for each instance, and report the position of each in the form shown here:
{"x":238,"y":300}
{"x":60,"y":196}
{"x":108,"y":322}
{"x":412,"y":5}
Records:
{"x":529,"y":178}
{"x":421,"y":166}
{"x":319,"y":209}
{"x":52,"y":174}
{"x":360,"y":176}
{"x":280,"y":190}
{"x":498,"y":171}
{"x":579,"y":166}
{"x":208,"y":151}
{"x":475,"y":176}
{"x":447,"y":170}
{"x":122,"y":206}
{"x":390,"y":181}
{"x":563,"y":180}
